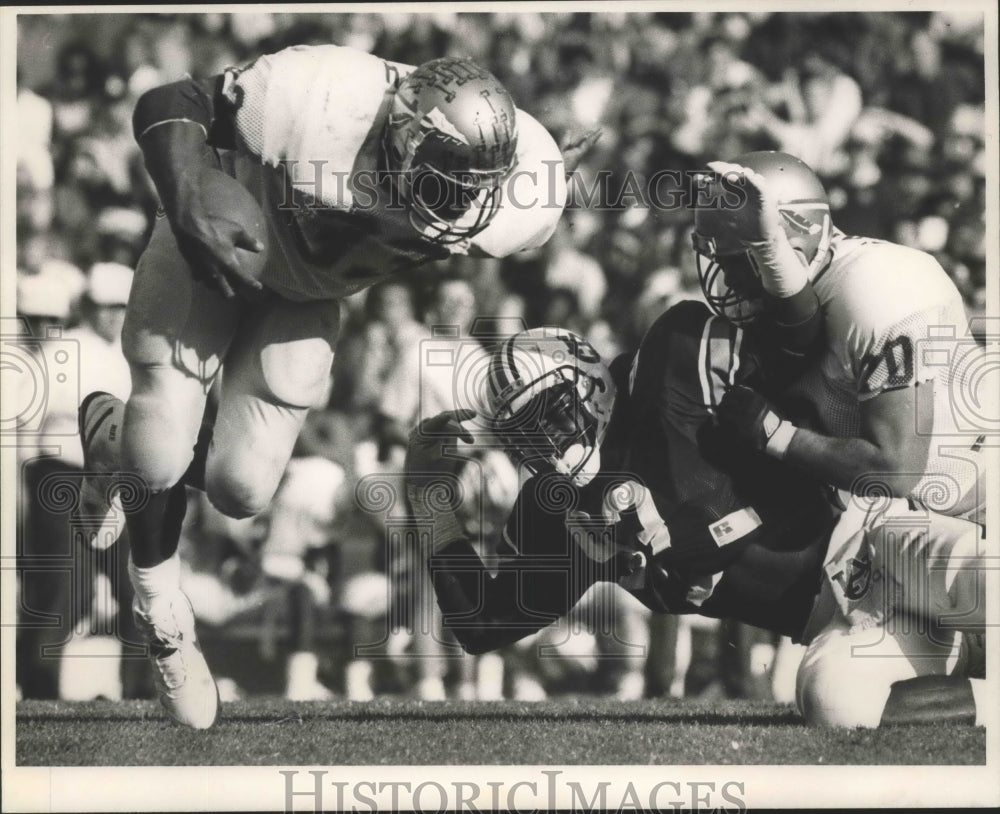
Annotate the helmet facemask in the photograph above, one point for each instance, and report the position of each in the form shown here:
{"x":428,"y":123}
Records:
{"x":449,"y":143}
{"x":554,"y":431}
{"x":550,"y":398}
{"x":446,"y":208}
{"x":730,"y":280}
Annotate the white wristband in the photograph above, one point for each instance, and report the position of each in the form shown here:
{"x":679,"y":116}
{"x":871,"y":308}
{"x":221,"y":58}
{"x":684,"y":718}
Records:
{"x":777,"y":444}
{"x":781,"y":271}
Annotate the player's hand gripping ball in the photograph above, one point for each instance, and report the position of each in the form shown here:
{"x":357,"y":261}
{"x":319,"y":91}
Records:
{"x":222,"y":233}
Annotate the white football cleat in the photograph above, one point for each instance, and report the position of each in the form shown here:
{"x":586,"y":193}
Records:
{"x":99,"y":514}
{"x":183,"y":681}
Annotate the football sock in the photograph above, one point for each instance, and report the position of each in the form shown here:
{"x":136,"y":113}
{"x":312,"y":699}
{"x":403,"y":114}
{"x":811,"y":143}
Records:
{"x":158,"y":580}
{"x":155,"y":529}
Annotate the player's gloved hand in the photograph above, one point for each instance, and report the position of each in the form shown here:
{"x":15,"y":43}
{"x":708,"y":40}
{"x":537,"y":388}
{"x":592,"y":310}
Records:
{"x":427,"y":440}
{"x":432,"y":484}
{"x":209,"y":240}
{"x":753,"y":419}
{"x":757,"y":224}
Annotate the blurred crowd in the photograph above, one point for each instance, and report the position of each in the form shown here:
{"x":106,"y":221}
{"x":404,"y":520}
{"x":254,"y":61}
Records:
{"x":320,"y":593}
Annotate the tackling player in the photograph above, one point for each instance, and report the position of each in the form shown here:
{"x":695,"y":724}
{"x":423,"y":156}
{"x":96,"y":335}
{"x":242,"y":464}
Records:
{"x":362,"y":169}
{"x":881,"y":408}
{"x":896,"y":403}
{"x":633,"y":481}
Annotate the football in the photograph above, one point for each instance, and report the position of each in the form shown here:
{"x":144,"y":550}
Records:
{"x":228,"y":198}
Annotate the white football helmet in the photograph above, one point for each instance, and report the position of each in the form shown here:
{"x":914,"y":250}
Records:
{"x":729,"y":278}
{"x":450,"y":141}
{"x":550,"y":399}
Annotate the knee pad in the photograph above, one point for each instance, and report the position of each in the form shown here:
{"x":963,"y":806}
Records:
{"x":831,"y":698}
{"x":297,"y":373}
{"x":158,"y":465}
{"x":838,"y":687}
{"x":239,"y":492}
{"x":155,"y":450}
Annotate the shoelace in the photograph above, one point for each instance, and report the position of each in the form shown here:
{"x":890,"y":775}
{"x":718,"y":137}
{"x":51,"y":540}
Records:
{"x":161,"y":643}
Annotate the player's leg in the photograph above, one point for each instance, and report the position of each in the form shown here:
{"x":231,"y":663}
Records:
{"x":847,"y":676}
{"x":278,"y":368}
{"x":935,"y":565}
{"x":934,"y":699}
{"x":176,"y":333}
{"x":905,"y":593}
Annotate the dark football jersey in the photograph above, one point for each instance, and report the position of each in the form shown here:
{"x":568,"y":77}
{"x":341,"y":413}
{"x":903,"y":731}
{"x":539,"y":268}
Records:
{"x":721,"y":530}
{"x":681,"y":515}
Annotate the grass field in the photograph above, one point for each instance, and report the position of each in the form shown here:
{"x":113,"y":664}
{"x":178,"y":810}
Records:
{"x":263,"y":732}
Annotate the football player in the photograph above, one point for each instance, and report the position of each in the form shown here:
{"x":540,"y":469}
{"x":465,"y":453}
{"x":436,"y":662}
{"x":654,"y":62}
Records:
{"x":633,"y":480}
{"x":363,"y":169}
{"x":897,"y":403}
{"x":892,"y":402}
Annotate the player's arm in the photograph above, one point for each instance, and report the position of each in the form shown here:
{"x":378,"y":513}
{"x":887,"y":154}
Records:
{"x":791,"y":335}
{"x":889,"y":448}
{"x":484,"y":611}
{"x":791,"y":329}
{"x":178,"y":126}
{"x":892,"y":445}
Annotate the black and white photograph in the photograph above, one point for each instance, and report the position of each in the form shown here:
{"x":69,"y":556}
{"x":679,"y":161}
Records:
{"x":512,"y":406}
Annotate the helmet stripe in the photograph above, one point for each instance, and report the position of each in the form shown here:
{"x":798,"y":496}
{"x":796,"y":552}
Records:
{"x":734,"y":364}
{"x":703,"y":364}
{"x":498,"y":378}
{"x":511,"y":360}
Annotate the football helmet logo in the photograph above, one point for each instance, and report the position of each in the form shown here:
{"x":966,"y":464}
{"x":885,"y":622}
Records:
{"x":550,"y":399}
{"x":728,"y":276}
{"x":450,"y":141}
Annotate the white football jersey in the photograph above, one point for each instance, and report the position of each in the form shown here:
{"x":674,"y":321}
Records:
{"x":309,"y":122}
{"x":895,"y":319}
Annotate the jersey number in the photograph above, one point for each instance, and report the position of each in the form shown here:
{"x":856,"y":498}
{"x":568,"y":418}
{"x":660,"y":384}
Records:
{"x":897,"y":358}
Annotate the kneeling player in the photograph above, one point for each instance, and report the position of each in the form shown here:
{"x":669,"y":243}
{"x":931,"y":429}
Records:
{"x":634,"y":482}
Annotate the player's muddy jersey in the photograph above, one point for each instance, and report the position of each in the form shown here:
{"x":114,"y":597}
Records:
{"x":695,"y":523}
{"x":894,"y":319}
{"x":309,"y":122}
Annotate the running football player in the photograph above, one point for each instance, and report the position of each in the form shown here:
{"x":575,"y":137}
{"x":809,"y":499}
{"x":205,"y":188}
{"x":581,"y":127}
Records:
{"x":363,"y":169}
{"x":632,"y":480}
